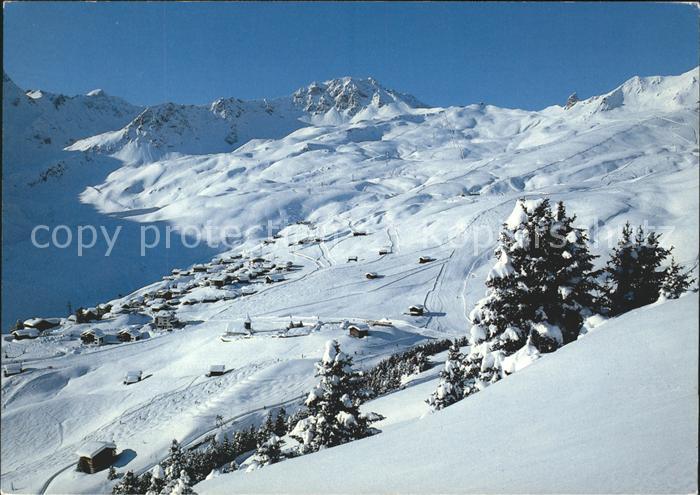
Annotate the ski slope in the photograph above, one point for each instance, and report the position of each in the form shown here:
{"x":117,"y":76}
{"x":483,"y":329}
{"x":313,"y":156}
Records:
{"x":615,"y":412}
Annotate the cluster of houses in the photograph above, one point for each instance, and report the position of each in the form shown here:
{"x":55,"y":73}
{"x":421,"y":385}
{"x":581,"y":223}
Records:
{"x":34,"y":327}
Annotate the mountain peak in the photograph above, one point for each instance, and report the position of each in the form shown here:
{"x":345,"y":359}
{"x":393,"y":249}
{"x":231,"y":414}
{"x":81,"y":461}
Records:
{"x":348,"y":95}
{"x":96,"y":92}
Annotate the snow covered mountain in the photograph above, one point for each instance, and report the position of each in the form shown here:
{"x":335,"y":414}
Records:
{"x":229,"y":123}
{"x":375,"y":160}
{"x":37,"y":124}
{"x":298,"y":179}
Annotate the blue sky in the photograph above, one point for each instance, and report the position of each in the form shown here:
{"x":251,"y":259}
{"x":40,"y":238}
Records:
{"x":522,"y":55}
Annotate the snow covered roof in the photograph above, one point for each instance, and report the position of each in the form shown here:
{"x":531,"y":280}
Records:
{"x":32,"y":322}
{"x":133,"y":376}
{"x":12,"y":368}
{"x":359,"y":326}
{"x":26,"y":332}
{"x":217,"y":367}
{"x":91,"y":449}
{"x":94,"y":331}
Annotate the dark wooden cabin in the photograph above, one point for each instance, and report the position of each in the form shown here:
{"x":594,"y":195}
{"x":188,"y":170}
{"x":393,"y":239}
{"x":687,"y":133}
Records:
{"x":358,"y":330}
{"x":416,"y":310}
{"x":96,"y":456}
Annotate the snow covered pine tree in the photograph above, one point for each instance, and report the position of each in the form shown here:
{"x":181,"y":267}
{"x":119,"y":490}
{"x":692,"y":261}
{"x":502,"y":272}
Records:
{"x":334,"y":415}
{"x":575,"y":277}
{"x":127,"y":486}
{"x":157,"y":481}
{"x":175,"y":463}
{"x":268,"y":452}
{"x":633,"y":275}
{"x":537,"y":293}
{"x":451,"y":386}
{"x":179,"y":485}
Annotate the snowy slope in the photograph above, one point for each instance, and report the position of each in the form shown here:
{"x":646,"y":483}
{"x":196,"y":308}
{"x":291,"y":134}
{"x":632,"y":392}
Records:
{"x":42,"y":182}
{"x":229,"y":122}
{"x":615,"y":412}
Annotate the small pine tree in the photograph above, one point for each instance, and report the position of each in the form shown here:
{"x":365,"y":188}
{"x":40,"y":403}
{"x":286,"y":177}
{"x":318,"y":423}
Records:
{"x":144,"y":482}
{"x":111,"y":473}
{"x":175,"y":462}
{"x":420,"y":363}
{"x":675,"y":281}
{"x":334,"y":416}
{"x":451,"y":386}
{"x":127,"y":486}
{"x":280,"y":428}
{"x":157,"y":481}
{"x":575,"y":276}
{"x":633,"y":278}
{"x":180,"y":485}
{"x":268,"y":452}
{"x":266,"y":429}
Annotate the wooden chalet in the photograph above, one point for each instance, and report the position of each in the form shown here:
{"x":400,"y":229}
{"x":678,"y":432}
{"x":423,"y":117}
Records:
{"x":96,"y":456}
{"x":129,"y":335}
{"x":358,"y":330}
{"x":42,"y":323}
{"x":416,"y":310}
{"x":273,"y":277}
{"x":216,"y":370}
{"x":165,"y":321}
{"x":12,"y":369}
{"x":25,"y":333}
{"x":92,"y":336}
{"x":133,"y":377}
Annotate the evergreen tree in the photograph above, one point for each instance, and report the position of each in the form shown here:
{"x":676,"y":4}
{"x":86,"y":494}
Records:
{"x":157,"y":482}
{"x":538,"y":292}
{"x":179,"y":485}
{"x":521,"y":284}
{"x":451,"y":386}
{"x":268,"y":452}
{"x":633,"y":278}
{"x":111,"y":473}
{"x":127,"y":486}
{"x":280,"y":428}
{"x":333,"y":405}
{"x":175,"y":462}
{"x":576,"y":278}
{"x":675,"y":281}
{"x":266,"y":429}
{"x":144,"y":482}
